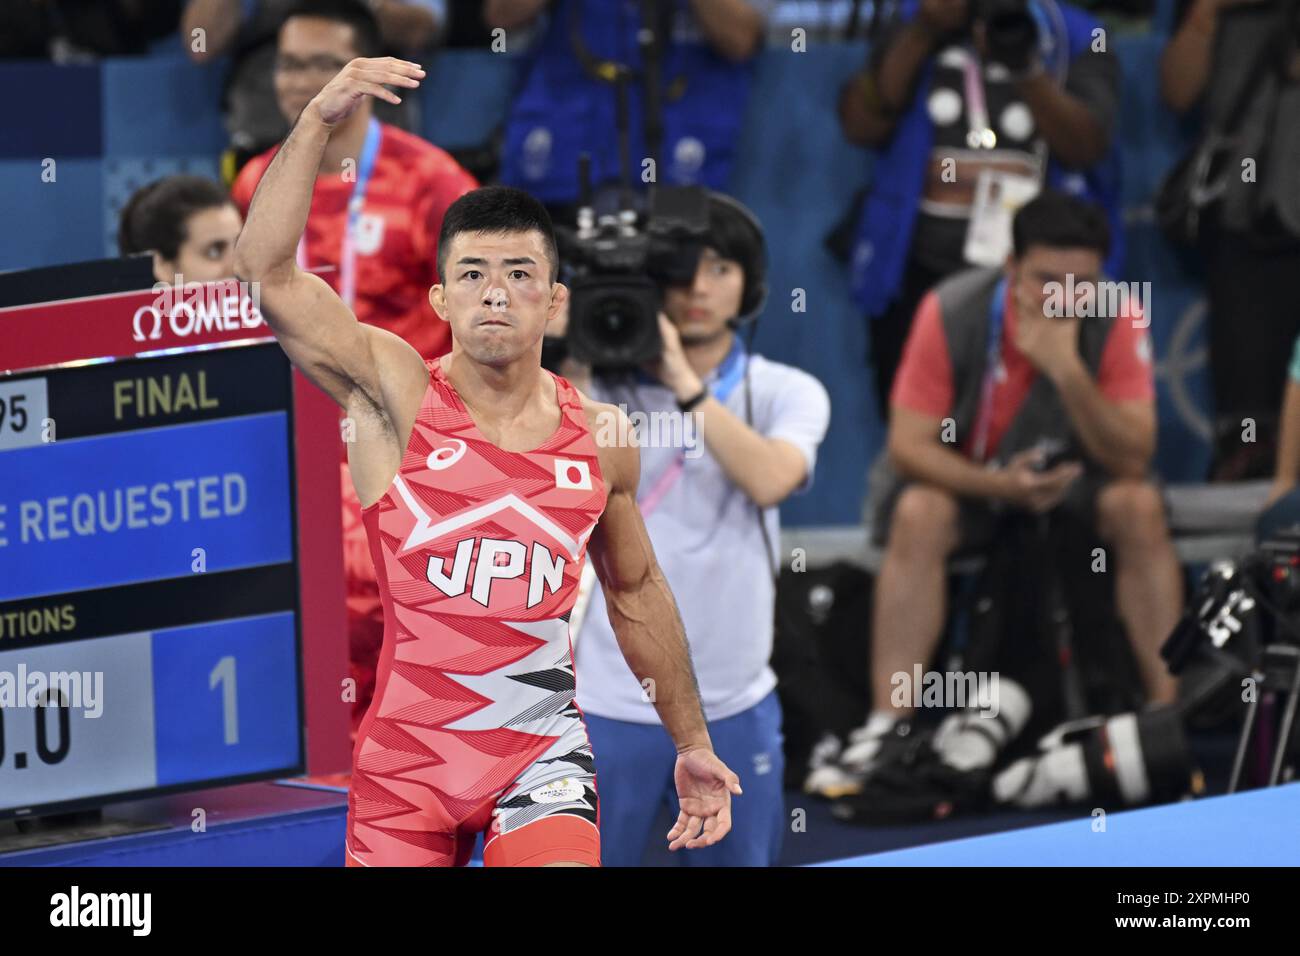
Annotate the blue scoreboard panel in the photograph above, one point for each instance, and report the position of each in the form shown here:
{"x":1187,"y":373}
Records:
{"x":149,"y":599}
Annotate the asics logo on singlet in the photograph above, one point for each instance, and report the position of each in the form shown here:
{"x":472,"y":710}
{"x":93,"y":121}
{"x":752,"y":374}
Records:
{"x":497,"y":560}
{"x":444,"y":456}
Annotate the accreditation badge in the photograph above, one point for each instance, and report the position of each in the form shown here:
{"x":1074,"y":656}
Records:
{"x":370,"y":233}
{"x":998,"y":196}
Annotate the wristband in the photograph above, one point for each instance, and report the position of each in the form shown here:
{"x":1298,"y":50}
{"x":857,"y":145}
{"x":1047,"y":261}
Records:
{"x":694,"y":400}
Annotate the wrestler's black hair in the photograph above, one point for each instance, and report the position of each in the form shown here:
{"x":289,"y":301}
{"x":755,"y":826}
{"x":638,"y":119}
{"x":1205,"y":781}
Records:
{"x":497,"y":210}
{"x":1056,"y":219}
{"x":154,"y":218}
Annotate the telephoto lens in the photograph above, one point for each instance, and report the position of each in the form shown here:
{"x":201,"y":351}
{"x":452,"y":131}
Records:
{"x":972,"y":739}
{"x":1127,"y":760}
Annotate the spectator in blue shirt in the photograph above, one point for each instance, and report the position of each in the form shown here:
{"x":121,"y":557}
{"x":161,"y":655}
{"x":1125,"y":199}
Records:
{"x":563,"y":109}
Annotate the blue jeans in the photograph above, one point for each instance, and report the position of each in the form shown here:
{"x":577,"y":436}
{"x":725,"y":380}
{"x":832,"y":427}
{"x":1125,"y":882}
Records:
{"x":634,"y":779}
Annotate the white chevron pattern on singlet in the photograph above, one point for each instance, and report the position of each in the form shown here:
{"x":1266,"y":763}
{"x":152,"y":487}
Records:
{"x":517,"y":705}
{"x":425,"y":529}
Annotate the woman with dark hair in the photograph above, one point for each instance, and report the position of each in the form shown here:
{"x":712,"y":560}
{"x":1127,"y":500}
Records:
{"x":189,"y":224}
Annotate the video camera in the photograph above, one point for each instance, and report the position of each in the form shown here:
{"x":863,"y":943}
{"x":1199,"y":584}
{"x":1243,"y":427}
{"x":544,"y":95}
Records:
{"x":618,"y":264}
{"x":1225,"y":614}
{"x":1245,"y":619}
{"x":617,"y":268}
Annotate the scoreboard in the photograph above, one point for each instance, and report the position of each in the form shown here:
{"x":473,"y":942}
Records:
{"x":151,"y":593}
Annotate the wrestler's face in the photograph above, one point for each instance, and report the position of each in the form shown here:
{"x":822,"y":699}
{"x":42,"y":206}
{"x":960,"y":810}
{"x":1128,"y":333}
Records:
{"x":498,"y":295}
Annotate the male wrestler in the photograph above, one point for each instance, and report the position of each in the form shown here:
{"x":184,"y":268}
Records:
{"x":482,"y":486}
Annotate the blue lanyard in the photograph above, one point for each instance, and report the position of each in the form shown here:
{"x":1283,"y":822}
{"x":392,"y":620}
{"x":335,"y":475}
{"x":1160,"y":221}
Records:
{"x":730,"y":371}
{"x":365,"y":167}
{"x":992,"y":357}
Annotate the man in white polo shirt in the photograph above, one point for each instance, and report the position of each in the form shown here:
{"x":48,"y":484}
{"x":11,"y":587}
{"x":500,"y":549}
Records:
{"x":711,"y":513}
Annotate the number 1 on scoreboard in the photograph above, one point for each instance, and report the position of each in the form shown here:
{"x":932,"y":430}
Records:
{"x":224,"y":673}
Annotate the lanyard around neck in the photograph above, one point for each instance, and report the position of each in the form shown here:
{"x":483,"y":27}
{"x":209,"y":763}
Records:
{"x":979,"y":133}
{"x":993,"y":356}
{"x":727,"y":376}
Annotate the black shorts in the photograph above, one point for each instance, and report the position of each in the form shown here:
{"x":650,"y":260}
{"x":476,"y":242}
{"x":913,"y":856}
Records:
{"x":979,"y":519}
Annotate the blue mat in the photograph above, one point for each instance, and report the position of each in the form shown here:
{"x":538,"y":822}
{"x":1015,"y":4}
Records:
{"x":1256,"y":828}
{"x":277,"y":823}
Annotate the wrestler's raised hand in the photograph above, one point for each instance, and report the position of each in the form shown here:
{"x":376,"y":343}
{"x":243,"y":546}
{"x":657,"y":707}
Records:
{"x":364,"y":76}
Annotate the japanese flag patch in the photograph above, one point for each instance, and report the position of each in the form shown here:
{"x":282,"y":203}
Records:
{"x":572,"y":474}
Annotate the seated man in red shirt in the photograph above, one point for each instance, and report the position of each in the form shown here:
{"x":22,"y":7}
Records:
{"x":372,"y":234}
{"x":964,"y":446}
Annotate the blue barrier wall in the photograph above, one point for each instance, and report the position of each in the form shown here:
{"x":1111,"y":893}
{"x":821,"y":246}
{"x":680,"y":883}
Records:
{"x":109,"y":128}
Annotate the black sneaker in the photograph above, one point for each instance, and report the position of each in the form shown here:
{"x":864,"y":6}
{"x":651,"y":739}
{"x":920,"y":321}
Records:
{"x":867,"y":747}
{"x":911,"y":784}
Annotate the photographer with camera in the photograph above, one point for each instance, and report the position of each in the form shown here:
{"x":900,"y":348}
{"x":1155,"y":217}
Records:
{"x":992,"y":373}
{"x":970,"y":107}
{"x":743,"y":437}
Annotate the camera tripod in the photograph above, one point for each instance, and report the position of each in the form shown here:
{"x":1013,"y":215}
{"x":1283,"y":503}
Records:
{"x":1278,"y":675}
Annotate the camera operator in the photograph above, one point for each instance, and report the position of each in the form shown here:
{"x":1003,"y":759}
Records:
{"x":1240,"y":59}
{"x":965,"y":444}
{"x":711,"y":513}
{"x":1017,"y":93}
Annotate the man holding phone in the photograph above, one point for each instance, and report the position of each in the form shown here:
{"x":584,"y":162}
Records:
{"x":1004,"y":368}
